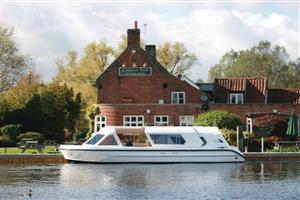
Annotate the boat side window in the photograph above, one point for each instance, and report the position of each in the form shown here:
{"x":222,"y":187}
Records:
{"x":203,"y":140}
{"x":109,"y":140}
{"x":95,"y":139}
{"x":167,"y":139}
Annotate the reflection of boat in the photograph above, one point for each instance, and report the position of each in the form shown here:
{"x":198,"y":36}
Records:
{"x":154,"y":145}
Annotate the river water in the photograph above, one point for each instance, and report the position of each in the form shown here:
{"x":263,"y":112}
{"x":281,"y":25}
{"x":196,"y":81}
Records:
{"x":249,"y":180}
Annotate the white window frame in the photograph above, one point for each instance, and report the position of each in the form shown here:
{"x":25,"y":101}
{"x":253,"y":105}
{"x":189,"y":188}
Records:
{"x":99,"y":122}
{"x":130,"y":122}
{"x":161,"y":122}
{"x":176,"y":101}
{"x":236,"y":95}
{"x":184,"y":120}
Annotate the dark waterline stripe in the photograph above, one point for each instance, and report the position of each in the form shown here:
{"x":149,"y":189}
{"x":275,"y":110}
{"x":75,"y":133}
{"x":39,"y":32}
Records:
{"x":168,"y":150}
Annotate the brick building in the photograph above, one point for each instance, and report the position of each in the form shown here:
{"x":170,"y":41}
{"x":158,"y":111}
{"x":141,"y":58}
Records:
{"x":251,"y":97}
{"x":135,"y":90}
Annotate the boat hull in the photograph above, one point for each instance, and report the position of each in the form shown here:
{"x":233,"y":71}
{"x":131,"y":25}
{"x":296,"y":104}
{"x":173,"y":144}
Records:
{"x":152,"y":156}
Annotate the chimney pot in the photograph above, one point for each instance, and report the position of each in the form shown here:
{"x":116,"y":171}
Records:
{"x":135,"y":24}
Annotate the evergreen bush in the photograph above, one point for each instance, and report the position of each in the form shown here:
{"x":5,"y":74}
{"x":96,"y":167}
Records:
{"x":221,"y":119}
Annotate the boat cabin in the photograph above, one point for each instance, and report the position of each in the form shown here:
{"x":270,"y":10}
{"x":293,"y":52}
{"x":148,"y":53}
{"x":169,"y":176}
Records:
{"x":158,"y":136}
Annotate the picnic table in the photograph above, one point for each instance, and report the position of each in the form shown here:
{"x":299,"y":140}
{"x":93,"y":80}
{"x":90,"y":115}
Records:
{"x":280,"y":144}
{"x":30,"y":144}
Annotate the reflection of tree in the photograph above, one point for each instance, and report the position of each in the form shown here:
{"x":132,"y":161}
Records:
{"x":269,"y":171}
{"x":19,"y":174}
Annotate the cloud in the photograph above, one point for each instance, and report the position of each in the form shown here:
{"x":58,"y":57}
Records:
{"x":47,"y":31}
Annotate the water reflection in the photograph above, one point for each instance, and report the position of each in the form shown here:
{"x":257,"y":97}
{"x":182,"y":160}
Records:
{"x":250,"y":180}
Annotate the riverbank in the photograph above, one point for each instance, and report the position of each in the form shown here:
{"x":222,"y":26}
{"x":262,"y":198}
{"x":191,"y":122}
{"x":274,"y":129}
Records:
{"x":54,"y":159}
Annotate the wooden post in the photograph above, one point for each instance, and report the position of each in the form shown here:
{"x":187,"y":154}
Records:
{"x":262,"y":144}
{"x":237,"y":137}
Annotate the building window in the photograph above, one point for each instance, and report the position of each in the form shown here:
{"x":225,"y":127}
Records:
{"x":187,"y":120}
{"x":133,"y":120}
{"x":100,"y":122}
{"x":236,"y":98}
{"x":178,"y":97}
{"x":162,"y":120}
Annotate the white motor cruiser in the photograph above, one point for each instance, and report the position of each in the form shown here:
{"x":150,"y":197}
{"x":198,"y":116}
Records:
{"x":154,"y":145}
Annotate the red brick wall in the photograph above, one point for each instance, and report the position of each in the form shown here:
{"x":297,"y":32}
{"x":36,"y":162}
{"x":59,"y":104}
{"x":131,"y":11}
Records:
{"x":242,"y":109}
{"x":142,"y":89}
{"x":115,"y":113}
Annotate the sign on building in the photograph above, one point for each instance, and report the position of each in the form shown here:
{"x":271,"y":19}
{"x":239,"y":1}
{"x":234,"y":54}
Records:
{"x":135,"y":71}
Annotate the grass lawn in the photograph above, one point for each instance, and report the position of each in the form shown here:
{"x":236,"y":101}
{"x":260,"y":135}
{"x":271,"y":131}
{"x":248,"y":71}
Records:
{"x":16,"y":150}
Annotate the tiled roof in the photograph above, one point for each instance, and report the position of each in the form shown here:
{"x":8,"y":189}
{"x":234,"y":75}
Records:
{"x":254,"y":89}
{"x":284,"y":96}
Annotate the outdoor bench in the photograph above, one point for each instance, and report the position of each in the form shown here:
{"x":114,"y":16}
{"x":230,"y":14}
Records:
{"x":280,"y":144}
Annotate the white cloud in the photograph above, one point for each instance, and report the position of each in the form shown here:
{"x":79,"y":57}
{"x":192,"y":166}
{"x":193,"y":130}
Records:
{"x":48,"y":31}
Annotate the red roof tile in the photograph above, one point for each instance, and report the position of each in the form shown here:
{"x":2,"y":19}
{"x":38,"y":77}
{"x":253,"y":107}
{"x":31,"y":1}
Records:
{"x":253,"y":88}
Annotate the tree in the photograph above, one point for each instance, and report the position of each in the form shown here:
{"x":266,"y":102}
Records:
{"x":60,"y":110}
{"x":10,"y":131}
{"x":53,"y":111}
{"x":80,"y":74}
{"x":221,"y":119}
{"x":13,"y":64}
{"x":261,"y":60}
{"x":19,"y":94}
{"x":175,"y":58}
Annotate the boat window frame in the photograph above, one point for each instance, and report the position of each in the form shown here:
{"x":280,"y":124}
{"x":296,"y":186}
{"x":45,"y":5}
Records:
{"x":104,"y":138}
{"x":168,"y":139}
{"x":95,"y":135}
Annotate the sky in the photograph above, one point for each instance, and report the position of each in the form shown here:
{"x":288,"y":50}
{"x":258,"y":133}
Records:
{"x":46,"y":30}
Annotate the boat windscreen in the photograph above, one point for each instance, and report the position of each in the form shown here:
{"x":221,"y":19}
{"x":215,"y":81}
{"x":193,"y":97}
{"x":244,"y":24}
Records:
{"x":95,"y":139}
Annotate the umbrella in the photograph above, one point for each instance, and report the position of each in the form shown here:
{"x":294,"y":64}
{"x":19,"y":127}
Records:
{"x":292,"y":129}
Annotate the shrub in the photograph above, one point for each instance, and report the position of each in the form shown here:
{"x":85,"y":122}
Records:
{"x":229,"y":135}
{"x":276,"y":123}
{"x":221,"y":119}
{"x":32,"y":135}
{"x":10,"y":131}
{"x":79,"y":135}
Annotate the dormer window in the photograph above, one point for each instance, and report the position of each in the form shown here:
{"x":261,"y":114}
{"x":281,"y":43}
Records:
{"x":178,"y":97}
{"x":236,"y":98}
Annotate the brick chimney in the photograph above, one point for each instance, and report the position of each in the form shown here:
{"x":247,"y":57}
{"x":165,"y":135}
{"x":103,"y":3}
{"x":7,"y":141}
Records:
{"x":133,"y":36}
{"x":151,"y":50}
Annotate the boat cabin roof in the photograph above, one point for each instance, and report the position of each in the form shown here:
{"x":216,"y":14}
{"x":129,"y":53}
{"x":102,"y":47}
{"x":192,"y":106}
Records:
{"x":160,"y":130}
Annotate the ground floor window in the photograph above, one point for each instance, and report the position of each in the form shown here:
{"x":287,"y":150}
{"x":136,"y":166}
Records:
{"x":100,"y":122}
{"x":133,"y":120}
{"x":187,"y":120}
{"x":161,"y":120}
